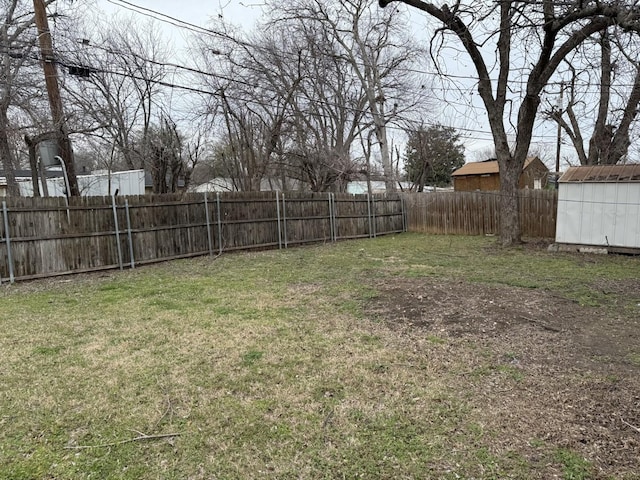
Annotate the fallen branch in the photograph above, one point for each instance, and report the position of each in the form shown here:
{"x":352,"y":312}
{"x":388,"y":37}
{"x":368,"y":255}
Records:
{"x":128,"y":440}
{"x":541,"y":324}
{"x":168,"y":411}
{"x":327,"y":420}
{"x":545,"y":326}
{"x":629,"y":425}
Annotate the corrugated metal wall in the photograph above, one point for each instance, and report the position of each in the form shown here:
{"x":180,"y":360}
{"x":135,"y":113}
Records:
{"x":603,"y":214}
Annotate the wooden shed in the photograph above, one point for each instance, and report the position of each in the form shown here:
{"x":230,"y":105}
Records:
{"x":485,"y":175}
{"x":600,"y":206}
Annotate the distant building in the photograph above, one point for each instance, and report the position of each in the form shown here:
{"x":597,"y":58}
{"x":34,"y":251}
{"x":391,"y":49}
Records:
{"x":215,"y":185}
{"x":225,"y":184}
{"x":377,"y":186}
{"x":99,"y":183}
{"x":485,"y":176}
{"x":23,"y":176}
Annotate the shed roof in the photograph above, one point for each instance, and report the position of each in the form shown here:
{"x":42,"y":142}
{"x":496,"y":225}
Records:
{"x":602,"y":174}
{"x":484,"y":168}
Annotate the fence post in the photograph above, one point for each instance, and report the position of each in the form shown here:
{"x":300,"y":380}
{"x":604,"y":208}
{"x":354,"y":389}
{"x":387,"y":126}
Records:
{"x":279,"y":229}
{"x":403,"y":206}
{"x":335,"y":217}
{"x":129,"y":233}
{"x":331,"y":232}
{"x":5,"y":213}
{"x":284,"y":221}
{"x":206,"y":212}
{"x":373,"y":215}
{"x":369,"y":214}
{"x":219,"y":223}
{"x":115,"y":221}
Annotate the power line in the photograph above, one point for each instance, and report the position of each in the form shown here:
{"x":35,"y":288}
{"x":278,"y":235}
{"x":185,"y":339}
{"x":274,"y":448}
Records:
{"x":163,"y":17}
{"x":219,"y":75}
{"x":155,"y":14}
{"x":252,"y":85}
{"x":181,"y":23}
{"x":217,"y":92}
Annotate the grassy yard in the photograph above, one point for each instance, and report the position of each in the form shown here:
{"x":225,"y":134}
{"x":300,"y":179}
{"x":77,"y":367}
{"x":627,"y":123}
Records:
{"x":407,"y":356}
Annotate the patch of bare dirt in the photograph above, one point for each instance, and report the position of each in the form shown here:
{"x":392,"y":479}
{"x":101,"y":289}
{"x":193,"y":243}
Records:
{"x":628,"y":287}
{"x":537,"y":369}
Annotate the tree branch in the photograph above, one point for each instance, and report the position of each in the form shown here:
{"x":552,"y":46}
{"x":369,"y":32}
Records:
{"x":122,"y":442}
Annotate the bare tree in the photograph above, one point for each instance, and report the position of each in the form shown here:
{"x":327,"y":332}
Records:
{"x":253,"y":136}
{"x":19,"y":83}
{"x":378,"y":52}
{"x":616,"y":104}
{"x":547,"y":31}
{"x":118,"y":89}
{"x":253,"y":89}
{"x":164,"y":156}
{"x":327,"y":110}
{"x":294,"y":99}
{"x":196,"y":149}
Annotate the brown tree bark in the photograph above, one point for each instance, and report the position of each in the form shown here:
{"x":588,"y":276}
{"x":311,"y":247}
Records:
{"x":6,"y":154}
{"x":510,"y":230}
{"x":33,"y":163}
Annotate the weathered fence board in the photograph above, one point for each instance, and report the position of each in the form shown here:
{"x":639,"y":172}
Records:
{"x":46,"y":237}
{"x":477,"y":213}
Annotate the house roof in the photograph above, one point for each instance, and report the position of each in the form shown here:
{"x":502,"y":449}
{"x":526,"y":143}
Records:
{"x":602,"y":174}
{"x":484,"y":168}
{"x":25,"y":175}
{"x":50,"y":173}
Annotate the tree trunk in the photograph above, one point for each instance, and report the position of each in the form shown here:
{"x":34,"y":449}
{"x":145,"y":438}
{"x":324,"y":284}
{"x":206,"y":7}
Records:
{"x":33,"y":163}
{"x":510,"y":170}
{"x":6,"y":154}
{"x":385,"y":158}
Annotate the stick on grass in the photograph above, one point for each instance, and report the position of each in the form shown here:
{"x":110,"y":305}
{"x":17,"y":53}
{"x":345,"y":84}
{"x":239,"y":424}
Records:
{"x":128,"y":440}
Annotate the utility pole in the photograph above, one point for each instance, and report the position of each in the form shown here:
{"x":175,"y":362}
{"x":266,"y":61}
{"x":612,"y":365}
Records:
{"x":53,"y":91}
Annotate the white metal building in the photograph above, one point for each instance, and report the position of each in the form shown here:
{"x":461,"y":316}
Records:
{"x":600,"y":206}
{"x":100,"y":183}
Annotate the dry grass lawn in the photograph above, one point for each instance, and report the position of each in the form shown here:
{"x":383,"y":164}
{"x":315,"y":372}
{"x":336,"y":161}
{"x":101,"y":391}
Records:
{"x":407,"y":356}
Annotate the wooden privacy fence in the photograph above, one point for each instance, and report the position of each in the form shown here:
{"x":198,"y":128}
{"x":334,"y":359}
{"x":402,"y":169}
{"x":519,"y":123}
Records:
{"x":41,"y":237}
{"x":478,"y":213}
